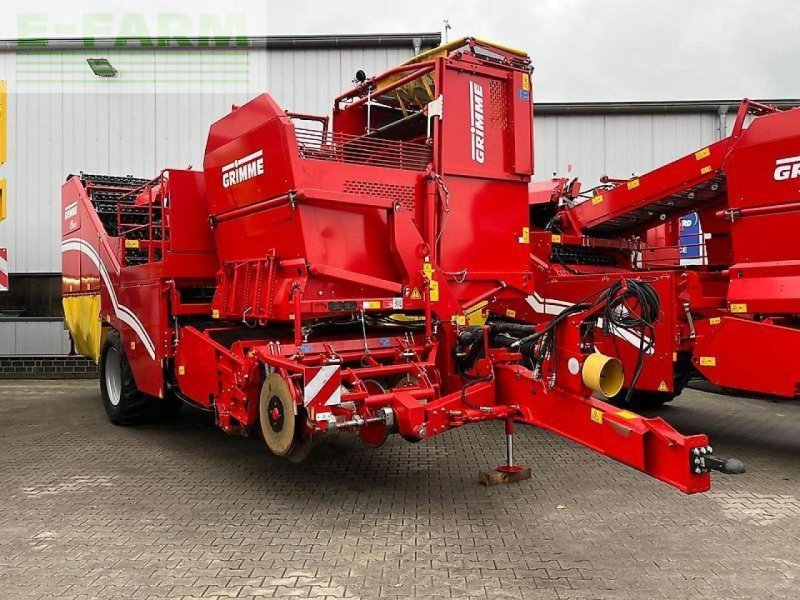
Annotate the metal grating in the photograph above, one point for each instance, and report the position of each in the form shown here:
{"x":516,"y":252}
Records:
{"x":362,"y":150}
{"x":105,"y":191}
{"x":498,"y":101}
{"x":404,"y":194}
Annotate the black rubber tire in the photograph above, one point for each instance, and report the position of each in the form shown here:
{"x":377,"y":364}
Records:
{"x":646,"y":400}
{"x":167,"y":408}
{"x":124,"y":403}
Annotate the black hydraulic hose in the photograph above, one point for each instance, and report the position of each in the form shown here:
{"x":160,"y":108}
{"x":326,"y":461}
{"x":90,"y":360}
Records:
{"x":614,"y":308}
{"x":513,"y":328}
{"x":617,"y":313}
{"x":505,"y":340}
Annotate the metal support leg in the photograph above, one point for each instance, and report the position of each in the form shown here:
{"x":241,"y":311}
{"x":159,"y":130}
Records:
{"x":509,"y":467}
{"x":508,"y":472}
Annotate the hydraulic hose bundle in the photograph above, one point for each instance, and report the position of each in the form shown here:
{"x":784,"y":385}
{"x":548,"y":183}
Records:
{"x":631,"y":305}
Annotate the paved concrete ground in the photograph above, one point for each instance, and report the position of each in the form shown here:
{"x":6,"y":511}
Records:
{"x":181,"y":510}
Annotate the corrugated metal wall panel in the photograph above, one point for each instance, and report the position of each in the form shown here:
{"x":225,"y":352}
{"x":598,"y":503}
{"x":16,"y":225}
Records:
{"x":616,"y":145}
{"x":33,"y":338}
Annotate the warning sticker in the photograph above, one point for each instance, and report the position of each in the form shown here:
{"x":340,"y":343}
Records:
{"x":662,"y":387}
{"x":597,"y":416}
{"x":415,"y":295}
{"x":434,"y":291}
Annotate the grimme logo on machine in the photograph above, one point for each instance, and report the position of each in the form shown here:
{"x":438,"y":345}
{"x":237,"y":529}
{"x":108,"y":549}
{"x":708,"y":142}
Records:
{"x":787,"y":168}
{"x":243,"y":169}
{"x":70,"y":211}
{"x":476,"y":121}
{"x":71,"y":216}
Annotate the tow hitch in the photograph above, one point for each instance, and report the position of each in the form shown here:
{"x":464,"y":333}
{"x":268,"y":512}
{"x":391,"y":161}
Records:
{"x":703,"y":461}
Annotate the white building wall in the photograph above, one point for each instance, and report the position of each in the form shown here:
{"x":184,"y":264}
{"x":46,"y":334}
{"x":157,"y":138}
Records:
{"x":616,"y":145}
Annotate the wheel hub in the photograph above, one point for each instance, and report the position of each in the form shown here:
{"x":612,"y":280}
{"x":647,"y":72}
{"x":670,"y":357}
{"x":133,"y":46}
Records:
{"x":275,"y":414}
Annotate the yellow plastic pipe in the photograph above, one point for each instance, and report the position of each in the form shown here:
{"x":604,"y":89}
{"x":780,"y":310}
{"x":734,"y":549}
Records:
{"x":603,"y":374}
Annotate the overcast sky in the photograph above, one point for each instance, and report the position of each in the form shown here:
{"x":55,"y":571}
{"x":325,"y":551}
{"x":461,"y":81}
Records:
{"x":583,"y":50}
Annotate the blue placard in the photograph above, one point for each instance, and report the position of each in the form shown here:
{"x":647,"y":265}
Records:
{"x":691,"y":238}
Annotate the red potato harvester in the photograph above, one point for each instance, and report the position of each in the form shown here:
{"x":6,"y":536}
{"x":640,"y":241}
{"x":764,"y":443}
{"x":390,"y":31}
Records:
{"x":319,"y":277}
{"x":734,"y":319}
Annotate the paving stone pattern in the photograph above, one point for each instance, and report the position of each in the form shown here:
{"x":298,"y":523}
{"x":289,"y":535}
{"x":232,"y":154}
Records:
{"x":91,"y":510}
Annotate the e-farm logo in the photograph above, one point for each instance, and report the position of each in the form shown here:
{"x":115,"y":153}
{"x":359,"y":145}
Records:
{"x":476,"y":129}
{"x":787,"y":168}
{"x":118,"y":52}
{"x":127,"y":30}
{"x":243,"y":169}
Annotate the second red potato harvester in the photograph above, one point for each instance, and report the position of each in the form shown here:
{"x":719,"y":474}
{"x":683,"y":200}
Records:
{"x":734,"y":319}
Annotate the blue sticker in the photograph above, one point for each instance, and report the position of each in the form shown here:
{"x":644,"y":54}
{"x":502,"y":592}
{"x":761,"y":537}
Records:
{"x":385,"y":341}
{"x":524,"y":95}
{"x":305,"y":348}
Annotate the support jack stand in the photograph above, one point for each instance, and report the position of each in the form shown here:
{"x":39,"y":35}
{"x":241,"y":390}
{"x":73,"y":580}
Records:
{"x":509,"y":472}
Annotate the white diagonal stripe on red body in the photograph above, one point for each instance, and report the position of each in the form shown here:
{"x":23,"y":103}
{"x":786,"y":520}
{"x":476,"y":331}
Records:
{"x":3,"y":270}
{"x":323,"y":386}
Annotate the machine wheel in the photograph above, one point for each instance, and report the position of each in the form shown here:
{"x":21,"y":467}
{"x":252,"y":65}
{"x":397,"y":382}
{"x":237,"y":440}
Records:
{"x":124,"y":404}
{"x":642,"y":399}
{"x":168,"y":408}
{"x":280,"y":425}
{"x":302,"y":449}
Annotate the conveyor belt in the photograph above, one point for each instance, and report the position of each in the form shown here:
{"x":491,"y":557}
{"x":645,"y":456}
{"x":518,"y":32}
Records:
{"x":675,"y":189}
{"x":126,"y":181}
{"x":104,"y":192}
{"x":683,"y":202}
{"x":580,"y":255}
